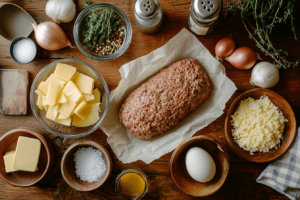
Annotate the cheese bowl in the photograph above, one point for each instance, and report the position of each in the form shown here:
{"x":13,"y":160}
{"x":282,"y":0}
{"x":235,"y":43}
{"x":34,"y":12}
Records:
{"x":62,"y":130}
{"x":289,"y":131}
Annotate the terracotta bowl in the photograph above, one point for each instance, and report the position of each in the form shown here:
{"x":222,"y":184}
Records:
{"x":8,"y":142}
{"x":181,"y":177}
{"x":289,"y":132}
{"x":68,"y":166}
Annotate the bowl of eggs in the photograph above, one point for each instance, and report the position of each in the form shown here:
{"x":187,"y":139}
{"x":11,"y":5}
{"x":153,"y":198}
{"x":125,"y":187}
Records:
{"x":199,"y":166}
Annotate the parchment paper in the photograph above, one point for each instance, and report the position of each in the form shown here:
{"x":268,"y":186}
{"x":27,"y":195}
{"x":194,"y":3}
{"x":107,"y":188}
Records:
{"x":184,"y":45}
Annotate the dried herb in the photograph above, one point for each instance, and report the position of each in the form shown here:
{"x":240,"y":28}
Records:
{"x":99,"y":24}
{"x":260,"y":17}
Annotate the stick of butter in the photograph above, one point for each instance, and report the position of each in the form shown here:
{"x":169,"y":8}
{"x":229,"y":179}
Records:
{"x":27,"y":154}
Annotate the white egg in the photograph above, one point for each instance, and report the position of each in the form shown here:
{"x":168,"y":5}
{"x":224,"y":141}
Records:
{"x":200,"y":165}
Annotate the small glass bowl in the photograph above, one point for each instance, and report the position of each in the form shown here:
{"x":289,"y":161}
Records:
{"x":78,"y":29}
{"x":118,"y":187}
{"x":58,"y":129}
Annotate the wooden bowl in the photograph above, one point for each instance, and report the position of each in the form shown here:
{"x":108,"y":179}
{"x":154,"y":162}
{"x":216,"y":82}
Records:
{"x":68,"y":166}
{"x":8,"y":142}
{"x":289,"y":132}
{"x":181,"y":177}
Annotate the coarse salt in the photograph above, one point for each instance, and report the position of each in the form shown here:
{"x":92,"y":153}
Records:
{"x":89,"y":164}
{"x":24,"y":51}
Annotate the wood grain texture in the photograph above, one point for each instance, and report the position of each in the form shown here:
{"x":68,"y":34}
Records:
{"x":240,"y":183}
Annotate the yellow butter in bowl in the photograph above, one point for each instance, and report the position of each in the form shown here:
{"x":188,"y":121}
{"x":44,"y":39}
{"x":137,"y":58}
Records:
{"x":69,"y":97}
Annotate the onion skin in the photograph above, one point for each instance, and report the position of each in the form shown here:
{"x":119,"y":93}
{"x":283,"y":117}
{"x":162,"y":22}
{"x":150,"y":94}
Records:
{"x":243,"y":58}
{"x":265,"y":75}
{"x":50,"y":36}
{"x":224,"y":47}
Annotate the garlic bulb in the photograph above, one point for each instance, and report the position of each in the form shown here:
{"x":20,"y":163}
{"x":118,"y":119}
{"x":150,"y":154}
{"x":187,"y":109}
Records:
{"x":265,"y":75}
{"x":61,"y":10}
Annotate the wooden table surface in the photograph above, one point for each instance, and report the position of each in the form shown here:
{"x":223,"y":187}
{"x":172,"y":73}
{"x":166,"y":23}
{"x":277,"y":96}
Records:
{"x":240,"y":183}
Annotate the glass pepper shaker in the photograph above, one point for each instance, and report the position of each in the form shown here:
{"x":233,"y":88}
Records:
{"x":204,"y":15}
{"x":148,"y":15}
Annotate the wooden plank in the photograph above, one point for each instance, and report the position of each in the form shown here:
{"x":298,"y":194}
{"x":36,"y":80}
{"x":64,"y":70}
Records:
{"x":13,"y":91}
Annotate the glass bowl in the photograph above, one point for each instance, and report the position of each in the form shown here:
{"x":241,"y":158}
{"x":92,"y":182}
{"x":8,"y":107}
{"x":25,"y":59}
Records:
{"x":78,"y":29}
{"x":58,"y":129}
{"x":118,"y":186}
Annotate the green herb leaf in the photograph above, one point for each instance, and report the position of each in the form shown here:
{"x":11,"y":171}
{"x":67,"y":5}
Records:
{"x":259,"y":18}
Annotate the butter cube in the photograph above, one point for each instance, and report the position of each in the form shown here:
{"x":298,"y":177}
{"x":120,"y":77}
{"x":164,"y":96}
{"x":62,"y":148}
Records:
{"x":27,"y":154}
{"x":64,"y":71}
{"x":39,"y":92}
{"x":97,"y":96}
{"x":92,"y":118}
{"x":40,"y":86}
{"x":84,"y":83}
{"x":56,"y":106}
{"x":39,"y":102}
{"x":44,"y":87}
{"x":70,"y":88}
{"x":66,"y":122}
{"x":44,"y":101}
{"x":88,"y":97}
{"x":82,"y":110}
{"x":51,"y":113}
{"x":62,"y":98}
{"x":9,"y":161}
{"x":76,"y":96}
{"x":46,"y":107}
{"x":61,"y":116}
{"x":55,"y":79}
{"x":67,"y":108}
{"x":52,"y":94}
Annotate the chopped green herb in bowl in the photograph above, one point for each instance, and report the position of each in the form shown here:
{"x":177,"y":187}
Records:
{"x":102,"y":31}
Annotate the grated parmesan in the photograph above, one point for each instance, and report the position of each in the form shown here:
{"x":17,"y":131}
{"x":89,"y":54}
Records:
{"x":258,"y":125}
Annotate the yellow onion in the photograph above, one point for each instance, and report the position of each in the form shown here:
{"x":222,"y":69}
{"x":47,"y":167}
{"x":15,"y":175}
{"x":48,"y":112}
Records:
{"x":243,"y":58}
{"x":50,"y":36}
{"x":225,"y":47}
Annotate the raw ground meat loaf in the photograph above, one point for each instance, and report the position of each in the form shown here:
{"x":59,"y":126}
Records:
{"x":164,"y":99}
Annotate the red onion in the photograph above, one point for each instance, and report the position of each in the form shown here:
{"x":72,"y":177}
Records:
{"x":50,"y":36}
{"x":225,"y":47}
{"x":243,"y":58}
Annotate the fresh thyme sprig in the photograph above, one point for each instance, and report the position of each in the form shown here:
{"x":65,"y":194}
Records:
{"x":99,"y":24}
{"x":260,"y":17}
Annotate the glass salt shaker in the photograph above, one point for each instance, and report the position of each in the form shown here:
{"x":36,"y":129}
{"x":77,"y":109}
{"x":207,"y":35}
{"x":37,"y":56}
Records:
{"x":204,"y":15}
{"x":148,"y":15}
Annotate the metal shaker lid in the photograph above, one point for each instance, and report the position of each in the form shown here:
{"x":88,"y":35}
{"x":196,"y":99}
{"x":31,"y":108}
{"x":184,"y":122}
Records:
{"x":145,"y":8}
{"x":207,"y":8}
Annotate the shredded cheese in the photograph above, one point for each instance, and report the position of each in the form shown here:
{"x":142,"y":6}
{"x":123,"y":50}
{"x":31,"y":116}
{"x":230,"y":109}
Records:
{"x":258,"y":125}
